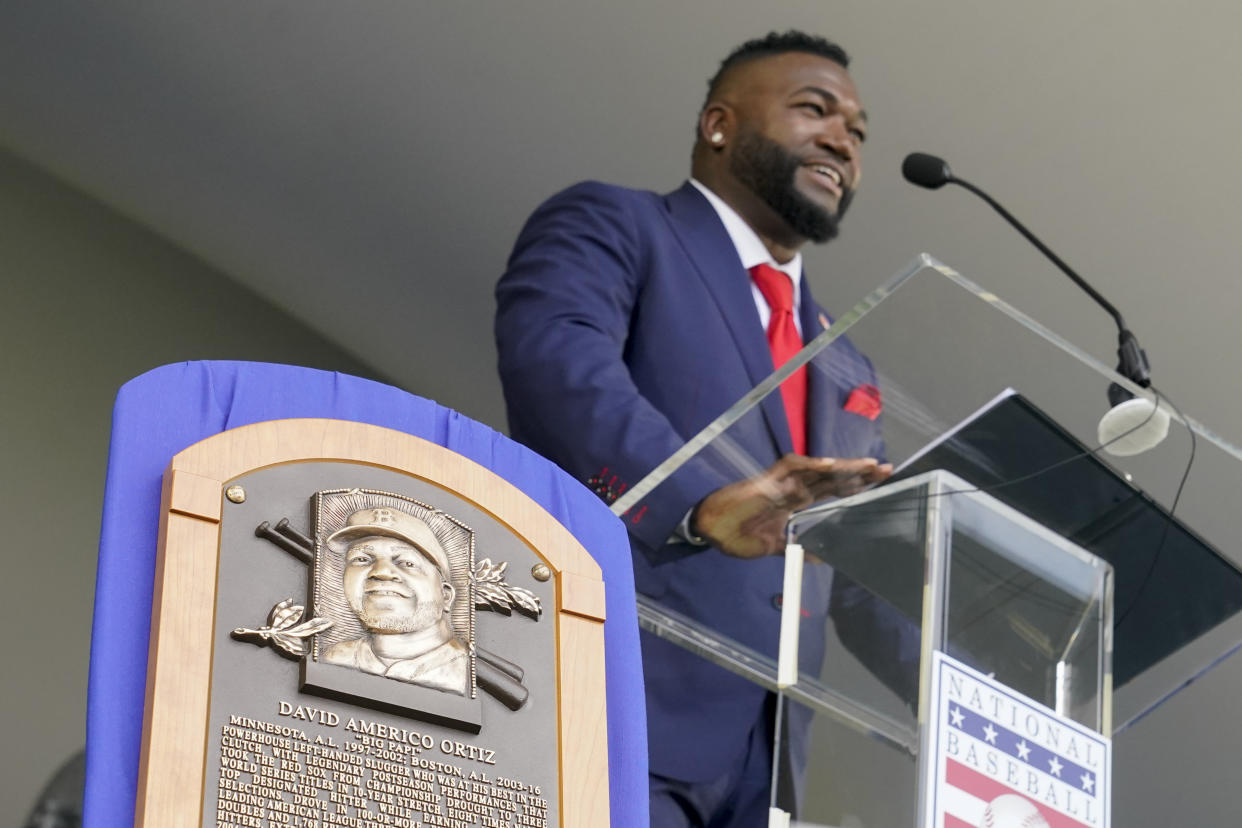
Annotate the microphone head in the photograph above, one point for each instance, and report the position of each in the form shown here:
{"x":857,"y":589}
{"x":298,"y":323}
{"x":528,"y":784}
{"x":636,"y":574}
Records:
{"x":926,"y":170}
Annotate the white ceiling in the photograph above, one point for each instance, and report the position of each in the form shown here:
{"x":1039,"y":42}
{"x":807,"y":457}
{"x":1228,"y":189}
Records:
{"x":366,"y":165}
{"x":373,"y":161}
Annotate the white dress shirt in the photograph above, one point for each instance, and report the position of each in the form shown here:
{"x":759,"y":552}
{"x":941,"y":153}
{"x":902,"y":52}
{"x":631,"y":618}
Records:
{"x":751,"y":251}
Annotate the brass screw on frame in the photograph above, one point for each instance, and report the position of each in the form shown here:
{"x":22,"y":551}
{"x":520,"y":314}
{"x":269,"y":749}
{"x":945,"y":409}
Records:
{"x":236,"y":494}
{"x":541,"y":572}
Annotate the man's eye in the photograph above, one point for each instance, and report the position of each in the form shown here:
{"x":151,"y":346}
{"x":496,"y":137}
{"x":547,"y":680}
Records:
{"x":359,"y":560}
{"x":406,"y":564}
{"x":859,"y":135}
{"x":813,"y":107}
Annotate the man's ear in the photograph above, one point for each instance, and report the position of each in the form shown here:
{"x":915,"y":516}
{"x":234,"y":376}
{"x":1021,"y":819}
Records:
{"x":716,"y":124}
{"x":446,"y":589}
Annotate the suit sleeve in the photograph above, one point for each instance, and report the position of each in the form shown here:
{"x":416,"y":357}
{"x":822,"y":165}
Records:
{"x":564,"y":314}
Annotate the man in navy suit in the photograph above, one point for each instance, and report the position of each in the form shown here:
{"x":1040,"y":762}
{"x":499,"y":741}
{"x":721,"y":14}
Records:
{"x":627,"y":321}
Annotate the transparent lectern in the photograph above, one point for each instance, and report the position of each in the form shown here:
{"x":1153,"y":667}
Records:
{"x":1099,"y":586}
{"x":932,"y":563}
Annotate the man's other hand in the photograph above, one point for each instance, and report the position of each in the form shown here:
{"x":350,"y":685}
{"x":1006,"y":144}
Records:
{"x":747,"y":519}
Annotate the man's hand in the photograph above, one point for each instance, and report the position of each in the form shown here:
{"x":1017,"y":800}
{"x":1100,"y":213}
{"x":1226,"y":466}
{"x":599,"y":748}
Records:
{"x":747,"y":519}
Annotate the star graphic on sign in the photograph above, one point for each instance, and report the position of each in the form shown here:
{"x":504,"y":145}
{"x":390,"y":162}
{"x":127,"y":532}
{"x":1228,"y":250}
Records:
{"x":1088,"y":784}
{"x":956,"y":715}
{"x":1054,"y":767}
{"x":989,"y":733}
{"x":1023,"y":750}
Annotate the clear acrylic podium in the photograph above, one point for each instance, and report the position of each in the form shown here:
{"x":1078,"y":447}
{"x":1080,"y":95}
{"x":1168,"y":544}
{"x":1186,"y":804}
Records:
{"x":1103,"y":620}
{"x":931,"y":563}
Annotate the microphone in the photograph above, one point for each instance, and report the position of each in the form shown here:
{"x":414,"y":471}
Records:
{"x":1146,"y":423}
{"x":926,"y":170}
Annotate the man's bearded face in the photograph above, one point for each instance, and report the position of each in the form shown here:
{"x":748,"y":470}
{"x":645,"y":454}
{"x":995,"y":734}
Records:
{"x":393,"y":587}
{"x":768,"y":170}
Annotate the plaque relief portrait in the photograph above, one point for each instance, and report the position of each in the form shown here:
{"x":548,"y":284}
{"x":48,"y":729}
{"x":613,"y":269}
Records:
{"x":396,"y":578}
{"x":393,"y":575}
{"x":394,"y":587}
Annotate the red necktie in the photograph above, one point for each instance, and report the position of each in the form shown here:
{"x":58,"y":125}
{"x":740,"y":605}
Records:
{"x":784,"y":341}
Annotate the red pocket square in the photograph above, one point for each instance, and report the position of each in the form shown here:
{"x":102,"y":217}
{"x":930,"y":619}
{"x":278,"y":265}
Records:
{"x":864,"y":401}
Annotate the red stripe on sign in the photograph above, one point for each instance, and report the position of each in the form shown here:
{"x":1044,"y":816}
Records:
{"x":951,"y":821}
{"x":987,"y":789}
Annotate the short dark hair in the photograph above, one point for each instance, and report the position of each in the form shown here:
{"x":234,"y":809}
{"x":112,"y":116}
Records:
{"x":778,"y":43}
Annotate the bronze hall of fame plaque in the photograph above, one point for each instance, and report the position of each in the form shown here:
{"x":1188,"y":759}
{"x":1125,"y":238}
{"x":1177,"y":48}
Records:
{"x":348,"y":635}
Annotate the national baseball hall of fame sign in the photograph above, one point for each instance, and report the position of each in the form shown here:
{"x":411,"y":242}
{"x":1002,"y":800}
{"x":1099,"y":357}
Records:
{"x":355,"y":627}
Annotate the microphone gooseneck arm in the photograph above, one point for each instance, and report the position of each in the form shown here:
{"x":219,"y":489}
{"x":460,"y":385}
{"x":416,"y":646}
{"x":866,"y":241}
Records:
{"x":1132,"y":358}
{"x":1043,"y":248}
{"x":932,"y":172}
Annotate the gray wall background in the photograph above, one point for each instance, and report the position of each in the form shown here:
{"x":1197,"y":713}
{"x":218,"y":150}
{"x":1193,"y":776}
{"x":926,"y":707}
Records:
{"x":90,"y":300}
{"x":260,"y":172}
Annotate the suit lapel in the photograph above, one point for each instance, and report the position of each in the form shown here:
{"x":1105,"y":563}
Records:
{"x":709,"y":248}
{"x":822,"y":396}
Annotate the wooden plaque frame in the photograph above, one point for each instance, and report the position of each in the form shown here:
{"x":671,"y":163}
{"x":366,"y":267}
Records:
{"x":172,"y":771}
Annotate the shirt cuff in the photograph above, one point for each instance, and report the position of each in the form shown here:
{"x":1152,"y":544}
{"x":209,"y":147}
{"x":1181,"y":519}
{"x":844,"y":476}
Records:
{"x":682,"y":533}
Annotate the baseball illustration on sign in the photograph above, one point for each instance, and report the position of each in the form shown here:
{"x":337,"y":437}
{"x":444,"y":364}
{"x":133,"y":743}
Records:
{"x":1012,"y":811}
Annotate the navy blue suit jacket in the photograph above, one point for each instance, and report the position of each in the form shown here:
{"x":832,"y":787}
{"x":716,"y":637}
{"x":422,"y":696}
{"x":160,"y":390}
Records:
{"x":625,"y":324}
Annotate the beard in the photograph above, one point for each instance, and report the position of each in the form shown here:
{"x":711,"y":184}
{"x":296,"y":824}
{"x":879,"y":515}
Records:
{"x":768,"y":170}
{"x":392,"y":622}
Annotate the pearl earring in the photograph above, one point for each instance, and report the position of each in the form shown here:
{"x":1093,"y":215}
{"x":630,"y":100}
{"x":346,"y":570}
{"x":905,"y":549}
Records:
{"x":717,"y":137}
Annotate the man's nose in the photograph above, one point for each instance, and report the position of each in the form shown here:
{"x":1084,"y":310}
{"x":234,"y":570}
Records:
{"x":837,"y":137}
{"x":383,"y":570}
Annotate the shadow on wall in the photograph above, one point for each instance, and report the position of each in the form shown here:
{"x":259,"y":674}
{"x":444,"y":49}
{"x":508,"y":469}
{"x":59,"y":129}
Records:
{"x":60,"y":803}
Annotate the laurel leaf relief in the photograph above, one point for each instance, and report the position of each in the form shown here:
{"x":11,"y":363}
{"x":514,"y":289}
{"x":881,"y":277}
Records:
{"x":283,"y":629}
{"x":491,"y":592}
